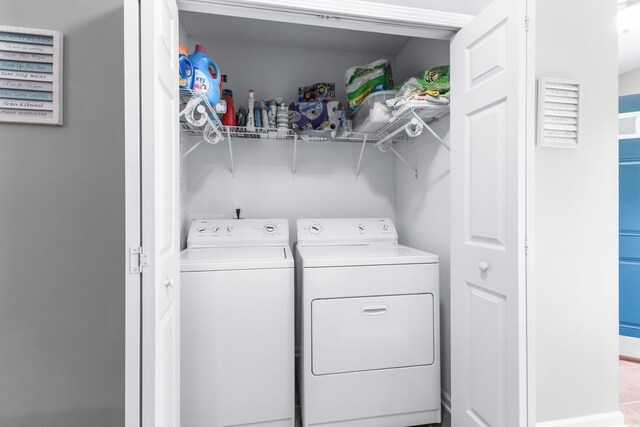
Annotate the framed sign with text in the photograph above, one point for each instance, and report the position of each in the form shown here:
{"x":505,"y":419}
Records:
{"x":30,"y":76}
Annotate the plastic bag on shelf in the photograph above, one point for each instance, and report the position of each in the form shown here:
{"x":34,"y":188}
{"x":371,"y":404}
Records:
{"x":361,"y":80}
{"x":433,"y":83}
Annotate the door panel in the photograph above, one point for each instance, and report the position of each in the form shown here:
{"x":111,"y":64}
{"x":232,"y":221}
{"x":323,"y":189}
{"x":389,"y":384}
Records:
{"x":629,"y":237}
{"x":360,"y":334}
{"x":486,"y":202}
{"x":160,"y":204}
{"x":488,"y":137}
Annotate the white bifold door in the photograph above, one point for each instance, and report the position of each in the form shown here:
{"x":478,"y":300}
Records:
{"x":488,"y":134}
{"x":160,"y":210}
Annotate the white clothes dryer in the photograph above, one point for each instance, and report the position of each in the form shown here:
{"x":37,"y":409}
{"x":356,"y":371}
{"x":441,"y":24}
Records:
{"x":237,"y":324}
{"x":369,"y":335}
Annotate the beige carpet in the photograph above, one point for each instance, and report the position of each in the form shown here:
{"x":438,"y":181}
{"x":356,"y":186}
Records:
{"x":630,"y":392}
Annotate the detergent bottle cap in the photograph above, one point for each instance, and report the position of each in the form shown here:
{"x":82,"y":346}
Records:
{"x":201,"y":48}
{"x":182,"y":49}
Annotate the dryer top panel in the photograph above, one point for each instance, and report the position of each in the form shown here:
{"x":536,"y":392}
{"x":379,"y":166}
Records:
{"x":225,"y":233}
{"x":346,"y":231}
{"x":345,"y":256}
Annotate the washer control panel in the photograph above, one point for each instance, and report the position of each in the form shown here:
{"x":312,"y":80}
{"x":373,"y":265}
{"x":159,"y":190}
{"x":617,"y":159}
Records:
{"x":212,"y":233}
{"x":346,"y":231}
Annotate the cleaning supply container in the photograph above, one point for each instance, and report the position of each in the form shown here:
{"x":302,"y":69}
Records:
{"x":185,"y":69}
{"x":229,"y":118}
{"x":207,"y":77}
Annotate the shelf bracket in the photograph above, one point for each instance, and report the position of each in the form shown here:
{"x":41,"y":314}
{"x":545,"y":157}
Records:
{"x":231,"y":162}
{"x":295,"y":153}
{"x":193,"y":147}
{"x":435,"y":135}
{"x":415,"y":171}
{"x":364,"y":144}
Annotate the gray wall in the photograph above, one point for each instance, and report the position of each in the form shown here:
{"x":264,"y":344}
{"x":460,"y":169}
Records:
{"x":62,"y":232}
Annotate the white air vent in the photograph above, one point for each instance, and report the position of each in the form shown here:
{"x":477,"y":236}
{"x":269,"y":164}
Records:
{"x":559,"y":112}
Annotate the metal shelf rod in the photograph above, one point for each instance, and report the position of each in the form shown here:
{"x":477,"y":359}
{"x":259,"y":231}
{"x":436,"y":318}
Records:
{"x":295,"y":152}
{"x":191,"y":149}
{"x":233,"y":167}
{"x":364,"y":144}
{"x":415,"y":171}
{"x":435,"y":135}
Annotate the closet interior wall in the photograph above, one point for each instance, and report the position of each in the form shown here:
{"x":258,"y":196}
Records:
{"x":423,"y":204}
{"x":324,"y":184}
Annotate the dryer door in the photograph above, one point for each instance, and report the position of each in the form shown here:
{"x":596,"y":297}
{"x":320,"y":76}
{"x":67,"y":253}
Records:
{"x":360,"y":334}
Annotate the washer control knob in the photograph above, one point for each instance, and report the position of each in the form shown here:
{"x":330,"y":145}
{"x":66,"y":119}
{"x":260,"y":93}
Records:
{"x":361,"y":228}
{"x":315,"y":229}
{"x":201,"y":229}
{"x":385,"y":227}
{"x":215,"y":229}
{"x":270,"y":228}
{"x":229,"y":229}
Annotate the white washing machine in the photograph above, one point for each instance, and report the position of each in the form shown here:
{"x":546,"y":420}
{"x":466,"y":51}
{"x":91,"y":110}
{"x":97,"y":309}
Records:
{"x":237,"y":324}
{"x":370,"y":342}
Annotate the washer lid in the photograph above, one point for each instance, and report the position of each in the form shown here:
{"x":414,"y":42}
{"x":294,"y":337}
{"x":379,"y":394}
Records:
{"x":249,"y":258}
{"x":341,"y":256}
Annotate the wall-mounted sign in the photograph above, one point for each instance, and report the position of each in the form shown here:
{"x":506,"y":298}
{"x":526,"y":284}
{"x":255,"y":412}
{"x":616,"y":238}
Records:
{"x":30,"y":76}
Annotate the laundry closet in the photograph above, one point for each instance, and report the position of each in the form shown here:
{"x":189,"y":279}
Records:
{"x":260,"y":176}
{"x":400,"y":172}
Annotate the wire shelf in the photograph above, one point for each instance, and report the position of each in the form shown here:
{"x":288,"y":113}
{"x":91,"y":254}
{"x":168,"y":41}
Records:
{"x":407,"y":124}
{"x":427,"y":114}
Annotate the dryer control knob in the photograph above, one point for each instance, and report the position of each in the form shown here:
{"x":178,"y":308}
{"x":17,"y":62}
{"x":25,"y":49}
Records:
{"x":215,"y":229}
{"x":270,"y":228}
{"x":201,"y":229}
{"x":315,"y":229}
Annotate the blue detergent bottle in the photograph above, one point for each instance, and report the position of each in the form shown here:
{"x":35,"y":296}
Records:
{"x":207,"y":77}
{"x":185,"y":68}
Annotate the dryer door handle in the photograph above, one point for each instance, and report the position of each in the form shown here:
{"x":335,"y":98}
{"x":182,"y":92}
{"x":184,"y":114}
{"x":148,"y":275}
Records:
{"x":374,"y":309}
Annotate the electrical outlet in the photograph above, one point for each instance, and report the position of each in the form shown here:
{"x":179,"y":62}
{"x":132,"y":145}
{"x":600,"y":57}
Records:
{"x":236,"y":206}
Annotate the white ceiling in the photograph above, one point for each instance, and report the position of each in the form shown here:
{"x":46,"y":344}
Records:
{"x":628,"y":51}
{"x":225,"y":29}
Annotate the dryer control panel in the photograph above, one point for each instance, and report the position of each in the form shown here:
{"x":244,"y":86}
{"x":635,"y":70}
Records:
{"x":214,"y":233}
{"x":346,"y":231}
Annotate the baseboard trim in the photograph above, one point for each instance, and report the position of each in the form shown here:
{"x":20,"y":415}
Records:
{"x":629,"y":347}
{"x":607,"y":419}
{"x":446,"y":400}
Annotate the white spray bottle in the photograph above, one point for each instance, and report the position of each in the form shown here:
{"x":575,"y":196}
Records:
{"x":251,"y":121}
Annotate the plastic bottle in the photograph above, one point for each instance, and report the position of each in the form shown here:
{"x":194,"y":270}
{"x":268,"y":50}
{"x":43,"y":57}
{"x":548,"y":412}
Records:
{"x":257,"y":117}
{"x":273,"y":111}
{"x":185,"y":69}
{"x":241,"y":117}
{"x":229,"y":118}
{"x":282,"y":118}
{"x":206,"y":75}
{"x":251,"y":123}
{"x":265,"y":115}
